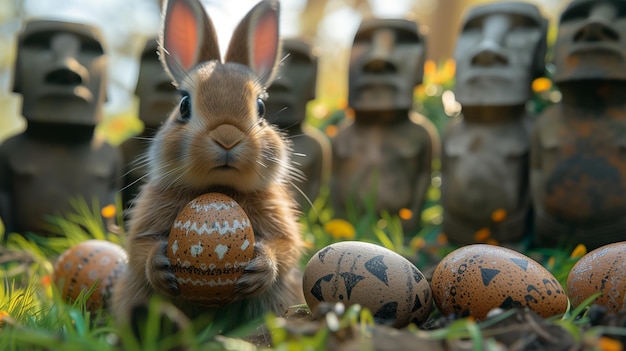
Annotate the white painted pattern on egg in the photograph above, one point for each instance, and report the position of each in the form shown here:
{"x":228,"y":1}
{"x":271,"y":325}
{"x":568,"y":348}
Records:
{"x":90,"y":262}
{"x":222,"y":229}
{"x":245,"y":245}
{"x":196,"y":250}
{"x":212,"y":234}
{"x":213,"y":206}
{"x":93,"y":275}
{"x":105,"y":261}
{"x":221,"y":250}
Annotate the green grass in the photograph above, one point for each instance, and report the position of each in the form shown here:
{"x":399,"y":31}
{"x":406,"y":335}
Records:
{"x":34,"y":316}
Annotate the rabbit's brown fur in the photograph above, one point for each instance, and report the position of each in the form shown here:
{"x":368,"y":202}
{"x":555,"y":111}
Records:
{"x":223,"y":146}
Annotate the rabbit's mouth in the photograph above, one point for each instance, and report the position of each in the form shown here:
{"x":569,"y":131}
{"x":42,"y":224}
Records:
{"x":224,"y":161}
{"x":225,"y":167}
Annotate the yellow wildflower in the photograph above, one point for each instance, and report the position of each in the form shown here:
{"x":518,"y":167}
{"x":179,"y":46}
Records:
{"x":449,"y":68}
{"x":418,"y":243}
{"x":493,"y":242}
{"x":498,"y":215}
{"x":541,"y":84}
{"x":4,"y":316}
{"x":331,"y":130}
{"x":118,"y":125}
{"x":108,"y":211}
{"x":46,"y":280}
{"x":442,"y":238}
{"x":430,"y":68}
{"x":340,"y":229}
{"x":342,"y":104}
{"x":446,"y":72}
{"x":405,"y":214}
{"x":579,"y":251}
{"x":482,"y":235}
{"x":609,"y":344}
{"x":419,"y":91}
{"x":551,"y":262}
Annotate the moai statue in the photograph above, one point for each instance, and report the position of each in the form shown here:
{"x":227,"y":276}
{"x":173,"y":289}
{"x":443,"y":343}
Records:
{"x":157,"y":96}
{"x":578,"y":161}
{"x":60,"y":72}
{"x":286,"y":107}
{"x":383,"y":156}
{"x":486,"y":150}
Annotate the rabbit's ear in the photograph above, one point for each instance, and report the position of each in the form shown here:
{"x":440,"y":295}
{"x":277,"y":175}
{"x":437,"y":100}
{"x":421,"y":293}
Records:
{"x":187,"y":37}
{"x":255,"y":42}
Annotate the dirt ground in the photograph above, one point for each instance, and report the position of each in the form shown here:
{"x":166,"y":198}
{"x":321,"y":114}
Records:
{"x":513,"y":330}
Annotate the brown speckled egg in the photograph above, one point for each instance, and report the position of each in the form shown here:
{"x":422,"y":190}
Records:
{"x":601,"y":270}
{"x":210,"y":244}
{"x":353,"y":272}
{"x":475,"y":279}
{"x":88,"y":263}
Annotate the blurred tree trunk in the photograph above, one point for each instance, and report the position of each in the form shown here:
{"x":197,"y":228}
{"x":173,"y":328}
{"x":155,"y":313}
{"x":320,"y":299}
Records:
{"x":311,"y":17}
{"x":444,"y":25}
{"x":315,"y":10}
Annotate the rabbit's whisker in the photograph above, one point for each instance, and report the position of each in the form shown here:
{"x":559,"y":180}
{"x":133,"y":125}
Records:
{"x":275,"y":116}
{"x":143,"y":138}
{"x":301,"y":192}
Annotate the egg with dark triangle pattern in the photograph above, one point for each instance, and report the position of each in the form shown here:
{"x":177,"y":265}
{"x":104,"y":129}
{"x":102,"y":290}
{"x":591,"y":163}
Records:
{"x":601,"y":270}
{"x":353,"y":272}
{"x":89,"y":263}
{"x":210,"y":244}
{"x":474,"y":279}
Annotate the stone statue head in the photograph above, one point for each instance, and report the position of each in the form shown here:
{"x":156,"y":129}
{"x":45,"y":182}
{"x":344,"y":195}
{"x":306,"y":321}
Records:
{"x":60,"y":71}
{"x":294,"y":85}
{"x":591,"y":41}
{"x":157,"y":95}
{"x":499,"y":52}
{"x":386,"y":64}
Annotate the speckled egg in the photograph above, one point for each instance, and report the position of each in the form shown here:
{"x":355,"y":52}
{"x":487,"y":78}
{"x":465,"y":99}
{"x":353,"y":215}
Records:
{"x":210,"y":244}
{"x":353,"y":272}
{"x":475,"y":279}
{"x":601,"y":270}
{"x":91,"y":262}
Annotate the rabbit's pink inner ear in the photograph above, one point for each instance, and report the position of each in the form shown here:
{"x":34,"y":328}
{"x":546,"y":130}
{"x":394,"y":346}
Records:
{"x":181,"y":35}
{"x":264,"y":50}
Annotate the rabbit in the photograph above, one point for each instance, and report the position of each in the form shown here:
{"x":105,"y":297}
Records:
{"x":216,"y":140}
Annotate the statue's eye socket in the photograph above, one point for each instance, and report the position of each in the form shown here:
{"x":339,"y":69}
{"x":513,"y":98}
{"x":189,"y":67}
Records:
{"x":184,"y":109}
{"x":260,"y":105}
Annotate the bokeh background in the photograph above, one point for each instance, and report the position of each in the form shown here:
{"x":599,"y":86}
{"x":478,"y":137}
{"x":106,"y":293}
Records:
{"x":329,"y":24}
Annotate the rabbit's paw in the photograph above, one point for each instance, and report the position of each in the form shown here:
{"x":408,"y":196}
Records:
{"x":159,"y":271}
{"x":258,"y":275}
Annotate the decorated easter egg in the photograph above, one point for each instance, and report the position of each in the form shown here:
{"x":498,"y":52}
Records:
{"x":91,"y":263}
{"x":601,"y":270}
{"x":474,"y":279}
{"x":376,"y":278}
{"x":210,"y":244}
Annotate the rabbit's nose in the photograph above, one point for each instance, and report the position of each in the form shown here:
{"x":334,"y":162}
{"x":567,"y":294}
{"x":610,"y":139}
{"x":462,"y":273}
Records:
{"x":227,"y":136}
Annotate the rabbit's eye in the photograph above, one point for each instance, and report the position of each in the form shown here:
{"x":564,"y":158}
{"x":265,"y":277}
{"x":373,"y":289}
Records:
{"x":260,"y":105}
{"x":184,"y":109}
